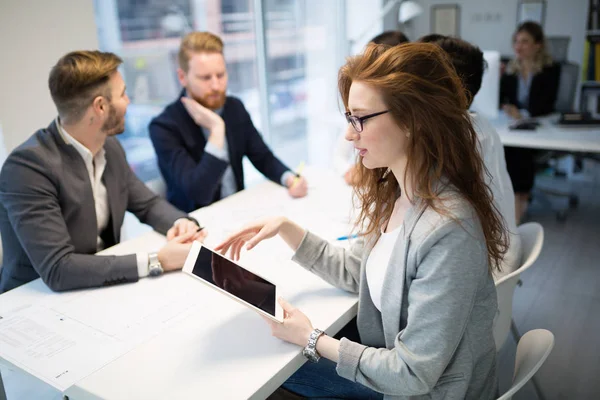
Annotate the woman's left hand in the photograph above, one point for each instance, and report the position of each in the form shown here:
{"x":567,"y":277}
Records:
{"x":296,"y":326}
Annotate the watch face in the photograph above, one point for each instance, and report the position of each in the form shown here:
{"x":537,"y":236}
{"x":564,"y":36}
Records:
{"x":155,"y":270}
{"x":310,"y":355}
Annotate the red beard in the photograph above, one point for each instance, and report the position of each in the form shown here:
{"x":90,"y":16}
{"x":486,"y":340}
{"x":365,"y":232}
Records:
{"x":212,"y":101}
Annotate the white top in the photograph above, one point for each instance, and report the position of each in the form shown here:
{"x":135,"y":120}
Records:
{"x":377,"y":263}
{"x":492,"y":152}
{"x":95,"y":166}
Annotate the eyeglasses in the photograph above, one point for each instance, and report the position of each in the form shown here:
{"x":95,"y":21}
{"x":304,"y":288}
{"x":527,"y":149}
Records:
{"x":357,"y":122}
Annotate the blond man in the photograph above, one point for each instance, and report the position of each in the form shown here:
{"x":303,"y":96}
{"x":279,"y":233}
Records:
{"x":64,"y":192}
{"x":202,"y":137}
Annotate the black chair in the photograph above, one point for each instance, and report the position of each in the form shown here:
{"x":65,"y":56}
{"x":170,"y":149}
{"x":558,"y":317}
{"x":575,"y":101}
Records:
{"x":567,"y":88}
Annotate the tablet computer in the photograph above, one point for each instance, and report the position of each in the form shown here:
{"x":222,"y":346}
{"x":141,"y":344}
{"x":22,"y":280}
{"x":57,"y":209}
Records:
{"x":235,"y":281}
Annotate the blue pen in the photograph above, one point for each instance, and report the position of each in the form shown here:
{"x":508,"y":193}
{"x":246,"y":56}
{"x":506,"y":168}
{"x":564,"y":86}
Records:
{"x":348,"y":237}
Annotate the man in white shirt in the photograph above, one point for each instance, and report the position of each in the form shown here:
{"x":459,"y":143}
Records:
{"x":64,"y":192}
{"x":469,"y":64}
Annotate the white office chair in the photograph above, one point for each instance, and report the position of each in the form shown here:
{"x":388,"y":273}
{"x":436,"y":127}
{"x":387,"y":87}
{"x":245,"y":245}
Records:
{"x":532,"y":239}
{"x":532,"y":351}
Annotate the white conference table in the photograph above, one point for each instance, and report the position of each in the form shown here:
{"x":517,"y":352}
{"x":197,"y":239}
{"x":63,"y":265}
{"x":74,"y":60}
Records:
{"x":173,"y":337}
{"x":549,"y":135}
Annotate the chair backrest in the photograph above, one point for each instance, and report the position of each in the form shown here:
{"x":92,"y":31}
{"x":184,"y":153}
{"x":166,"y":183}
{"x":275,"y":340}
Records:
{"x":532,"y":240}
{"x":558,"y":47}
{"x":532,"y":351}
{"x":567,"y":87}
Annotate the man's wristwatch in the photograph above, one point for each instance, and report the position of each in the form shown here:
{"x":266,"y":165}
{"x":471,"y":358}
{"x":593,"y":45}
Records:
{"x":310,"y":351}
{"x":154,"y":267}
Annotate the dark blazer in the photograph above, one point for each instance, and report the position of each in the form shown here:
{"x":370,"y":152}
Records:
{"x":542,"y":93}
{"x":193,"y":177}
{"x":48,"y":216}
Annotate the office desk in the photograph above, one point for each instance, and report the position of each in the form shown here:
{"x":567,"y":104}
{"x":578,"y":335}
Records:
{"x":193,"y":342}
{"x":549,"y":136}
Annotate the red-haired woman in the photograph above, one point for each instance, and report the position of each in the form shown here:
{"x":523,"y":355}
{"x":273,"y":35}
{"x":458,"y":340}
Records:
{"x":431,"y":239}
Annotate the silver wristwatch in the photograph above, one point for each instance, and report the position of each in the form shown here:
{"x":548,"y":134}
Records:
{"x":310,"y":351}
{"x":154,"y":267}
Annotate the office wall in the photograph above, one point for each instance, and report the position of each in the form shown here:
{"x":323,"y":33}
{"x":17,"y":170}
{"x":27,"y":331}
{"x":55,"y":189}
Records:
{"x":490,"y":23}
{"x":33,"y":35}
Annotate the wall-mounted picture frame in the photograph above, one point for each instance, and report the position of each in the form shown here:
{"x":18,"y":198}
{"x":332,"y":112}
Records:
{"x":445,"y":19}
{"x":531,"y":10}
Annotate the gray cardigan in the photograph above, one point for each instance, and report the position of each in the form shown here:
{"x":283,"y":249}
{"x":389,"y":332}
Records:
{"x":433,"y":338}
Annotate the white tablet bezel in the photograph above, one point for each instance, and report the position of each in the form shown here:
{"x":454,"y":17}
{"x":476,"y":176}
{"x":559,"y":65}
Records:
{"x":188,"y":267}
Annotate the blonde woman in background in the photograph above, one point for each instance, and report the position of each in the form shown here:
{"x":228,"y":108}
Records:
{"x":528,"y":89}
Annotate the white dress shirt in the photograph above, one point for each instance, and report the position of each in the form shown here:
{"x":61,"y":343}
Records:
{"x":499,"y":182}
{"x":95,"y":166}
{"x":228,"y":184}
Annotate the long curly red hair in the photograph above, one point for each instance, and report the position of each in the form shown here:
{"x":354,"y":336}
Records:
{"x":426,"y":98}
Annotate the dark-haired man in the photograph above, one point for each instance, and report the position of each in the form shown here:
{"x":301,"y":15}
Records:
{"x":469,"y":64}
{"x":391,"y":38}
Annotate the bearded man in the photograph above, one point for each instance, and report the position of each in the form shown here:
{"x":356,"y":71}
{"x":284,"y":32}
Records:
{"x":201,"y":139}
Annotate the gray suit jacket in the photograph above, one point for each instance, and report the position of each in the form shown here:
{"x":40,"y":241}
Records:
{"x":48,"y":216}
{"x":433,"y":338}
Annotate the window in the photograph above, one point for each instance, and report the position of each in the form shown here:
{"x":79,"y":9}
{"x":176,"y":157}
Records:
{"x":303,"y":57}
{"x":300,"y":55}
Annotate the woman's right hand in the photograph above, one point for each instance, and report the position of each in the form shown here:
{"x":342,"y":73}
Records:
{"x":512,"y":111}
{"x":256,"y":232}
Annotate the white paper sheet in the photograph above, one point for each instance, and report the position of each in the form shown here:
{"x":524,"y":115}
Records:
{"x":72,"y":335}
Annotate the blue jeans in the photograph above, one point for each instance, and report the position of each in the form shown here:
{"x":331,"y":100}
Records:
{"x":321,"y":381}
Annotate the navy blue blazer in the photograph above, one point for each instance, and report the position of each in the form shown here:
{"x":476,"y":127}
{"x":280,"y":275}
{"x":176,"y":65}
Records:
{"x":193,"y":177}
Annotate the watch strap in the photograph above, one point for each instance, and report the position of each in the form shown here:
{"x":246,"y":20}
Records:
{"x":310,"y":351}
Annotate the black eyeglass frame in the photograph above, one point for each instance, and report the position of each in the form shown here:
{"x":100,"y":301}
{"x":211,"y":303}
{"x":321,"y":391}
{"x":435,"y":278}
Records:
{"x":357,"y":122}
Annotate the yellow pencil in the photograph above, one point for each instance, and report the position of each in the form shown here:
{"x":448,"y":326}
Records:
{"x":298,"y":174}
